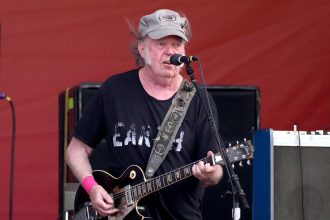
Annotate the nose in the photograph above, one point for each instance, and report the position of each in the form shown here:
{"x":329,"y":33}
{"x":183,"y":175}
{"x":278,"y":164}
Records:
{"x":170,"y":50}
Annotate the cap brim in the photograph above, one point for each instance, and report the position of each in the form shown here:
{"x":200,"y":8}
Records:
{"x":160,"y":33}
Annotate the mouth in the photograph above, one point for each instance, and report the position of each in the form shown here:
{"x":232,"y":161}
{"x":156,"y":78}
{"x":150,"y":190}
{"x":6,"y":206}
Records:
{"x":168,"y":64}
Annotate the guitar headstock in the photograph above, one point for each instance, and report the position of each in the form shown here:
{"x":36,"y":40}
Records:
{"x":239,"y":152}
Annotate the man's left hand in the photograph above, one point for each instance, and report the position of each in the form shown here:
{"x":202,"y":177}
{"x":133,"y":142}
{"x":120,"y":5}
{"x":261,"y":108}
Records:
{"x":207,"y":174}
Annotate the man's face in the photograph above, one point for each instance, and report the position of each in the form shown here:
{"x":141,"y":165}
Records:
{"x":157,"y":53}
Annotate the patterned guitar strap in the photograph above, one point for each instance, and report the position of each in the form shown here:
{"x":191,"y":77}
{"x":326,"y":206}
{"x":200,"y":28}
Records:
{"x":170,"y":126}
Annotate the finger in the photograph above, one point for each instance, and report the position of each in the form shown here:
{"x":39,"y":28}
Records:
{"x":210,"y":153}
{"x":107,"y":198}
{"x":201,"y":167}
{"x":197,"y":168}
{"x":196,"y":171}
{"x":110,"y":211}
{"x":208,"y":168}
{"x":103,"y":206}
{"x":115,"y":212}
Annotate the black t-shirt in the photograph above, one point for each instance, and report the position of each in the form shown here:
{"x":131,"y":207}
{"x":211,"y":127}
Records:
{"x":127,"y":117}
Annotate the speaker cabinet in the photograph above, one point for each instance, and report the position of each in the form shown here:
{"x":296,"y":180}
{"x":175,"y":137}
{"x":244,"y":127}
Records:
{"x":292,"y":175}
{"x":301,"y":183}
{"x":238,"y":113}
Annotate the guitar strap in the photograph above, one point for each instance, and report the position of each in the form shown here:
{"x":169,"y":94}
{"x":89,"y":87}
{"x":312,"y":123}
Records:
{"x":170,"y":126}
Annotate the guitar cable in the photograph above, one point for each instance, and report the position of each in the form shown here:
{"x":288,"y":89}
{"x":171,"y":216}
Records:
{"x":301,"y":171}
{"x":3,"y":96}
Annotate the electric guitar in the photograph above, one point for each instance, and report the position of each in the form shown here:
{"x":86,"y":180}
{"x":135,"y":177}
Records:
{"x":129,"y":189}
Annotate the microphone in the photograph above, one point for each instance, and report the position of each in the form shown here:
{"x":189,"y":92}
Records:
{"x":178,"y":59}
{"x":3,"y":95}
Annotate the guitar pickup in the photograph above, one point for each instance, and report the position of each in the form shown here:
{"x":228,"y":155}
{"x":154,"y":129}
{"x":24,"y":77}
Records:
{"x":128,"y":195}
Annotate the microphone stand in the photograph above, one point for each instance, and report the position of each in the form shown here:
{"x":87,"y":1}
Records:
{"x":237,"y":189}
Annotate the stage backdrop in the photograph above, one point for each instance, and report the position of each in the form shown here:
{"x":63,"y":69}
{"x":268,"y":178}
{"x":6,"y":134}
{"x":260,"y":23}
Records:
{"x":283,"y":47}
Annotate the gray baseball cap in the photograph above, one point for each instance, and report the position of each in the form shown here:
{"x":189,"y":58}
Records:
{"x":163,"y":23}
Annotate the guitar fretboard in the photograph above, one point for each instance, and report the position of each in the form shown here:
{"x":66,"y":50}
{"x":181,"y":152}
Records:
{"x":152,"y":185}
{"x":132,"y":194}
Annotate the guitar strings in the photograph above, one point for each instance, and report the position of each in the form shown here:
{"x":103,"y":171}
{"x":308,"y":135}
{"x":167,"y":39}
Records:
{"x":161,"y":178}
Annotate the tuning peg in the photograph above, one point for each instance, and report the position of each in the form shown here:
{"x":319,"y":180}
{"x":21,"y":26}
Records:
{"x":241,"y":164}
{"x":248,"y":162}
{"x":233,"y":165}
{"x":234,"y":147}
{"x":244,"y":139}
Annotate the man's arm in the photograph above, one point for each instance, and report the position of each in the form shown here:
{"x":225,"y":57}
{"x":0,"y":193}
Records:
{"x":77,"y":157}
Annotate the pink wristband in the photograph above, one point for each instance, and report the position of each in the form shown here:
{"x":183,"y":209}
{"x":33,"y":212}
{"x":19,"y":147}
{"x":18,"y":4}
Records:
{"x":88,"y":183}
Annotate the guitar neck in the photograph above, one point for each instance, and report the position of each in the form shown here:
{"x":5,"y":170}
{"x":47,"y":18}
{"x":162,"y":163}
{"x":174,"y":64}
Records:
{"x":236,"y":153}
{"x":157,"y":183}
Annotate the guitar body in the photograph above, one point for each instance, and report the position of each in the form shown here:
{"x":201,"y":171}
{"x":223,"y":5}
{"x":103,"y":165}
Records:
{"x":113,"y":185}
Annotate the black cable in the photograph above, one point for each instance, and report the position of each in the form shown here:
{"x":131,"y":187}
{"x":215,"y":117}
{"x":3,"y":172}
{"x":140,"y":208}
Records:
{"x":11,"y":190}
{"x":221,"y":139}
{"x":234,"y":180}
{"x":301,"y":173}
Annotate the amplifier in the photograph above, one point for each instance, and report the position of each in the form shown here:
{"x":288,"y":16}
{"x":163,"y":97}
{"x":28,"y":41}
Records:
{"x":291,"y":179}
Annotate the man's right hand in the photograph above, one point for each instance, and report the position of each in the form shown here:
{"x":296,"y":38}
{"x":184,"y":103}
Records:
{"x":102,"y":201}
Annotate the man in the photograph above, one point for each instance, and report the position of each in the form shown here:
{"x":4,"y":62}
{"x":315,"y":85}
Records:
{"x":127,"y":112}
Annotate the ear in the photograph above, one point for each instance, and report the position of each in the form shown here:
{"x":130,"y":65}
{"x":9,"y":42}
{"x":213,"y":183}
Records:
{"x":141,"y":48}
